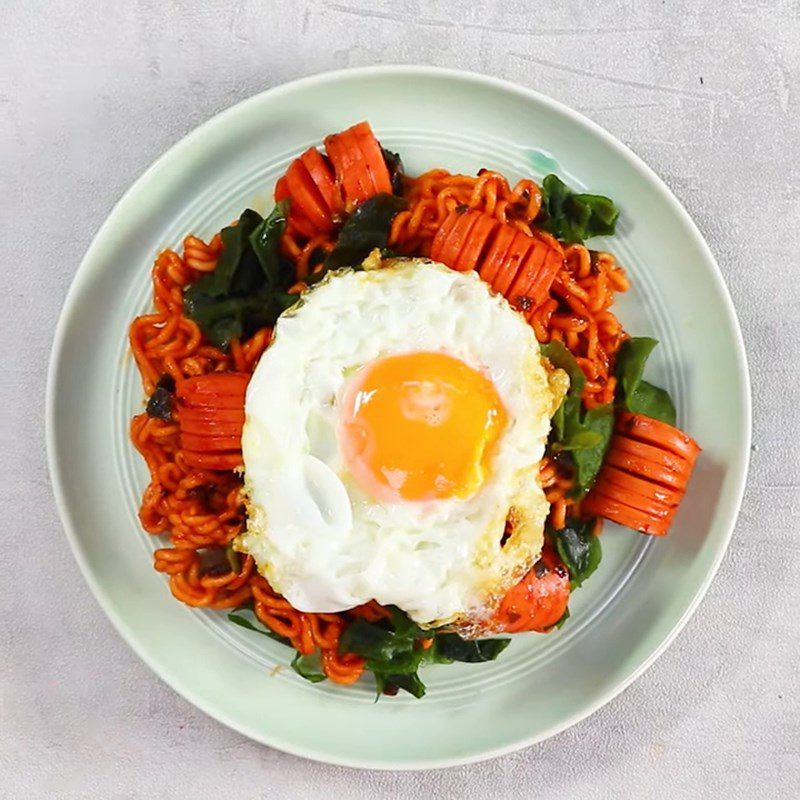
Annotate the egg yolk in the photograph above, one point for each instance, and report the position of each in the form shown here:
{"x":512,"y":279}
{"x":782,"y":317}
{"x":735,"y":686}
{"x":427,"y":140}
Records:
{"x":420,"y":426}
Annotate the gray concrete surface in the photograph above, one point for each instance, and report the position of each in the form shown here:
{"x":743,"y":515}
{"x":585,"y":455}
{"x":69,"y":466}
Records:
{"x":706,"y":92}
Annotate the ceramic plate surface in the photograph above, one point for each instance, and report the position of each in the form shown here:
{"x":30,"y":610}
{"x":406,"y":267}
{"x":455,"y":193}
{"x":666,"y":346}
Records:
{"x":645,"y":589}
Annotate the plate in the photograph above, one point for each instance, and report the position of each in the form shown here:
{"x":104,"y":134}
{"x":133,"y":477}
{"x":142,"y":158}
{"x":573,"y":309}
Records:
{"x":623,"y":618}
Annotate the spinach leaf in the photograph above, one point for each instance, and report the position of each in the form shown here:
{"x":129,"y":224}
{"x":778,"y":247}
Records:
{"x":652,"y":401}
{"x":564,"y":617}
{"x":366,"y":228}
{"x":309,"y":667}
{"x":406,"y":627}
{"x":161,"y":403}
{"x":372,"y":641}
{"x":633,"y":393}
{"x":451,"y":647}
{"x":264,"y":240}
{"x":582,"y":440}
{"x":599,"y":422}
{"x":221,"y":320}
{"x":631,"y":359}
{"x":585,"y":435}
{"x":395,"y":166}
{"x":579,"y":549}
{"x":572,"y":217}
{"x":389,"y":684}
{"x":382,"y":647}
{"x":243,"y":622}
{"x":235,"y":243}
{"x":247,"y":289}
{"x":394,"y":654}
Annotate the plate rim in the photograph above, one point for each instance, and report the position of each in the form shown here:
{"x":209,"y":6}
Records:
{"x":422,"y":72}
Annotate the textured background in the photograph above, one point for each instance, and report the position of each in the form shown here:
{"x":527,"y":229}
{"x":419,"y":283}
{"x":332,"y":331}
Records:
{"x":706,"y":92}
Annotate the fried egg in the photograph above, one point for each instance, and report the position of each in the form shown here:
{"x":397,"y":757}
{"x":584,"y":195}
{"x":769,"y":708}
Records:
{"x":392,"y":441}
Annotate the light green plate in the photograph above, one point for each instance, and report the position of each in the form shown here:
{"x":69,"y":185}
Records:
{"x":626,"y":614}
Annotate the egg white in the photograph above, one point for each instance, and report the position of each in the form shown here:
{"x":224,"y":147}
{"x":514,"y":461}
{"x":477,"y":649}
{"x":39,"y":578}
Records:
{"x":318,"y":538}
